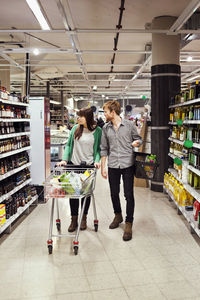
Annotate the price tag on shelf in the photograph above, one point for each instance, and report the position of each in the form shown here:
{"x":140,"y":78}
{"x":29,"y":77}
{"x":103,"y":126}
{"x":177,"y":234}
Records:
{"x":179,"y":122}
{"x":188,"y":144}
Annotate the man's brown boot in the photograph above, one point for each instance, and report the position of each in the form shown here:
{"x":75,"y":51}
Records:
{"x":116,"y":221}
{"x":74,"y":224}
{"x":128,"y":231}
{"x":84,"y":222}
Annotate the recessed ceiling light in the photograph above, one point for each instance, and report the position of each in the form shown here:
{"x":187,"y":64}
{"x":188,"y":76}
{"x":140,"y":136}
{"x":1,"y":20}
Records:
{"x":189,"y":58}
{"x":103,"y":96}
{"x":94,"y":87}
{"x":107,"y":98}
{"x":36,"y":51}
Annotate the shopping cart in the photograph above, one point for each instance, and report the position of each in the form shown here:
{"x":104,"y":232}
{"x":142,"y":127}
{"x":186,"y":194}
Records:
{"x":144,"y":169}
{"x":73,"y":182}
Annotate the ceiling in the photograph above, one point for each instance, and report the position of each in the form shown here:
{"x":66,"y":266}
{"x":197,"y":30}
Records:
{"x":77,"y":54}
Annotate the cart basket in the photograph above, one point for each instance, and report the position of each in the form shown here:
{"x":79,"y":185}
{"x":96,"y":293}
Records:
{"x":143,"y":169}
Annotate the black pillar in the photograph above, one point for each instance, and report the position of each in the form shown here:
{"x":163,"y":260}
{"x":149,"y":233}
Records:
{"x":165,"y":83}
{"x":28,"y":72}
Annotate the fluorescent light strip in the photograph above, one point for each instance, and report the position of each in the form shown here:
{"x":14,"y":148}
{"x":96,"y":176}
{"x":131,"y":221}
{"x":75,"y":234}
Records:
{"x":55,"y":102}
{"x":192,"y":78}
{"x":36,"y":9}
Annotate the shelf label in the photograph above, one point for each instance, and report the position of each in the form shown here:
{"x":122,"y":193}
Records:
{"x":179,"y":122}
{"x":178,"y":161}
{"x":188,"y":144}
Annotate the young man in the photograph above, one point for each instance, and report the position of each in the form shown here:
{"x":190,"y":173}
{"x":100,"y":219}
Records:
{"x":119,"y":137}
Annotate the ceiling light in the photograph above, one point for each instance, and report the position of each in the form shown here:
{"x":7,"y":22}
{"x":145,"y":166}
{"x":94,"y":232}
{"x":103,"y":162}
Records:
{"x":81,"y":98}
{"x":94,"y":88}
{"x":103,"y":96}
{"x":192,"y":78}
{"x":54,"y":102}
{"x":107,"y":98}
{"x":36,"y":51}
{"x":189,"y":58}
{"x":37,"y":11}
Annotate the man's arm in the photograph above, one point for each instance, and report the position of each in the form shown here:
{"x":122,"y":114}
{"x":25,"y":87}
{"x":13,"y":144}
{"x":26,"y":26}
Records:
{"x":137,"y":140}
{"x":104,"y":153}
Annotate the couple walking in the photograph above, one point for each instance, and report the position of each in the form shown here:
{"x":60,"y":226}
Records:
{"x":115,"y":141}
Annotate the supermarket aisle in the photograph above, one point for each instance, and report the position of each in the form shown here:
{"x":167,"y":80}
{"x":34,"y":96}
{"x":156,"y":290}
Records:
{"x":161,"y":262}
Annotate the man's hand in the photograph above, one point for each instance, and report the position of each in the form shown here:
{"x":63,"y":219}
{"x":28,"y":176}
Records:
{"x":136,"y":143}
{"x":104,"y":173}
{"x":97,"y":165}
{"x":61,"y":163}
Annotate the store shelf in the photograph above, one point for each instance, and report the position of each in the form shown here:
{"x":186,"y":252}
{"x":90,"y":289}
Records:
{"x":14,"y":103}
{"x":172,"y":155}
{"x":8,"y":174}
{"x":11,"y":135}
{"x":172,"y":123}
{"x":16,"y":189}
{"x":194,"y":170}
{"x":185,"y":103}
{"x":176,"y":156}
{"x":20,"y":211}
{"x":176,"y":141}
{"x":186,"y":122}
{"x":187,"y":214}
{"x":14,"y":120}
{"x":191,"y":122}
{"x":195,"y":145}
{"x":14,"y":152}
{"x":191,"y":190}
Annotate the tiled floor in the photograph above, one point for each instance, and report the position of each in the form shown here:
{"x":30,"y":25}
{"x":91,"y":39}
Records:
{"x":162,"y":261}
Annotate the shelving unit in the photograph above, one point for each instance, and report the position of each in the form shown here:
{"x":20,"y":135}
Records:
{"x":187,"y":214}
{"x":191,"y":190}
{"x":15,"y":190}
{"x":14,"y":152}
{"x":12,"y":135}
{"x":22,"y":209}
{"x":194,"y":192}
{"x":14,"y":120}
{"x":191,"y":102}
{"x":14,"y":171}
{"x":13,"y":103}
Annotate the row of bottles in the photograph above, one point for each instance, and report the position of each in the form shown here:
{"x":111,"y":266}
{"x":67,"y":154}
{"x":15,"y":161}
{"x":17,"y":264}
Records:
{"x":13,"y":97}
{"x":194,"y":180}
{"x":10,"y":183}
{"x":11,"y":112}
{"x":179,"y":150}
{"x":181,"y":196}
{"x":193,"y":92}
{"x":14,"y":144}
{"x":183,"y":133}
{"x":10,"y":206}
{"x":185,"y":113}
{"x":13,"y":162}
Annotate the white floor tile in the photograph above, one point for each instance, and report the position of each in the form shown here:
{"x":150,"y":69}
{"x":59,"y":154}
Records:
{"x":104,"y":281}
{"x":144,"y":292}
{"x":177,"y":290}
{"x":135,"y":278}
{"x":111,"y":294}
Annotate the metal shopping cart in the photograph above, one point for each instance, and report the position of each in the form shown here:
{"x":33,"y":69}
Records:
{"x":73,"y":182}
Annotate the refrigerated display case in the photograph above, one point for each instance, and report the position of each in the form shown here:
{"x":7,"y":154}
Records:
{"x":40,"y":139}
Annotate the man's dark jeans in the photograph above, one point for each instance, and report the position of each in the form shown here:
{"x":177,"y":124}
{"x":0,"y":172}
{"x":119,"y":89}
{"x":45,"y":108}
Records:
{"x":114,"y":176}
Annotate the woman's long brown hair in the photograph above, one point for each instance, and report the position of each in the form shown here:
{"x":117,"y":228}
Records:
{"x":91,"y":124}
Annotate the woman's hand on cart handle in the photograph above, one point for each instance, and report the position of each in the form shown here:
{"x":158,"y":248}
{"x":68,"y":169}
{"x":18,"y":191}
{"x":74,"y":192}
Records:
{"x":136,"y":143}
{"x":97,"y":165}
{"x":104,"y":173}
{"x":61,"y":163}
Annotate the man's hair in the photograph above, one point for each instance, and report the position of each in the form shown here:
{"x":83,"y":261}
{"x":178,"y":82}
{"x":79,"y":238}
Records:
{"x":113,"y":105}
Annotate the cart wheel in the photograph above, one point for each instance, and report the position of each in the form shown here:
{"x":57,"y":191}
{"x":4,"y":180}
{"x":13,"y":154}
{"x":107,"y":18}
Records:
{"x":96,"y":227}
{"x":75,"y":250}
{"x":50,"y":248}
{"x":58,"y":226}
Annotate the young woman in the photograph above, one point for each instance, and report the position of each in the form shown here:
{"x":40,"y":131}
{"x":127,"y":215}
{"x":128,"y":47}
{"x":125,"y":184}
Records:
{"x":83,"y":146}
